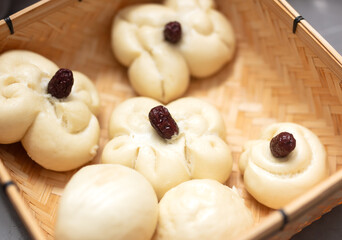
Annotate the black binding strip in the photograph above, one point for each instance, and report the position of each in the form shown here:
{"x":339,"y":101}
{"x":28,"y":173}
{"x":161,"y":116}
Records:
{"x":9,"y":24}
{"x":295,"y":23}
{"x":285,"y":218}
{"x":7,"y":184}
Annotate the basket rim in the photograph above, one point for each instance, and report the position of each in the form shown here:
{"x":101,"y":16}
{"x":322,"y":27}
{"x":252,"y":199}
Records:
{"x":274,"y":222}
{"x":31,"y":14}
{"x":43,"y":8}
{"x":304,"y":28}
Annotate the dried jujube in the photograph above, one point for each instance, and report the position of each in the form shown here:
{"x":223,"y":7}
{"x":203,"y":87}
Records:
{"x":282,"y":144}
{"x":173,"y":32}
{"x":61,"y":83}
{"x":162,"y":121}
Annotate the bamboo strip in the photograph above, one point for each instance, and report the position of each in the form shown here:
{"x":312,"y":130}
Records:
{"x":269,"y":227}
{"x":308,"y":35}
{"x":302,"y":206}
{"x":19,"y":205}
{"x":310,"y":200}
{"x":275,"y":76}
{"x":32,"y":13}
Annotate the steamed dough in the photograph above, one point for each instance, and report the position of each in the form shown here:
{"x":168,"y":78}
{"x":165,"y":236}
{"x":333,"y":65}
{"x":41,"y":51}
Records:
{"x":161,"y":70}
{"x":107,"y":201}
{"x":58,"y":134}
{"x":202,"y":209}
{"x":275,"y":182}
{"x":199,"y":151}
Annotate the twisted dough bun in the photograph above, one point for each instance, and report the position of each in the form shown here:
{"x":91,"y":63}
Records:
{"x":202,"y":209}
{"x":107,"y":201}
{"x":199,"y":151}
{"x":58,"y":134}
{"x":161,"y":70}
{"x":275,"y":182}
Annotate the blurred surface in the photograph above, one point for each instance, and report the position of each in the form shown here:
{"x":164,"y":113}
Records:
{"x":11,"y":227}
{"x":8,"y":7}
{"x":324,"y":15}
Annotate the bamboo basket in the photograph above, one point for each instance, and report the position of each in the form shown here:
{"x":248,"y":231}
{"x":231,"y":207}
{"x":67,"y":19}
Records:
{"x":276,"y":75}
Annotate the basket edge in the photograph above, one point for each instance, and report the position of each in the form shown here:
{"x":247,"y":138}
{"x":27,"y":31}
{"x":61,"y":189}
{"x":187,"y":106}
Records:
{"x":304,"y":29}
{"x":20,"y":206}
{"x":306,"y":33}
{"x":31,"y":14}
{"x":275,"y":222}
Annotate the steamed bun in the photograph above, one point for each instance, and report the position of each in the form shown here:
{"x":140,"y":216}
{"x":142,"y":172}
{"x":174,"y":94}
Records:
{"x":59,"y":134}
{"x":274,"y":181}
{"x":198,"y":151}
{"x":202,"y":209}
{"x":160,"y":69}
{"x":107,"y":201}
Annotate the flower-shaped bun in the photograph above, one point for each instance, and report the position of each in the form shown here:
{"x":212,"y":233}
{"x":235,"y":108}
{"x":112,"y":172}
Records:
{"x":160,"y":69}
{"x":198,"y":151}
{"x":275,"y":181}
{"x":59,"y":134}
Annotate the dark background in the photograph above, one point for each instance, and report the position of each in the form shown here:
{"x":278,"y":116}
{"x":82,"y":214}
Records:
{"x":324,"y":15}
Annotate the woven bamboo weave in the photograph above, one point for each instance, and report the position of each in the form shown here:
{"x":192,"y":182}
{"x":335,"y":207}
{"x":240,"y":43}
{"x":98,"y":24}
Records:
{"x":275,"y":76}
